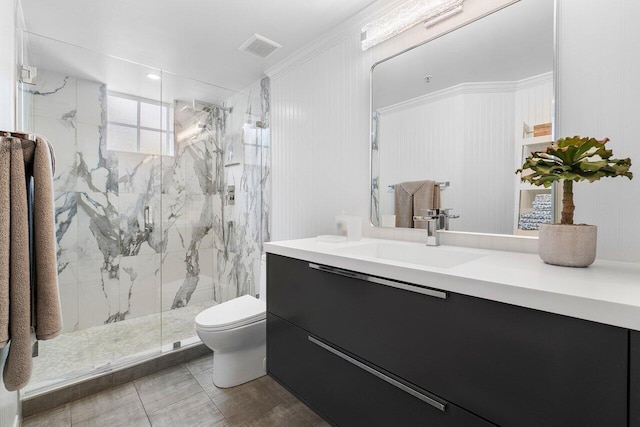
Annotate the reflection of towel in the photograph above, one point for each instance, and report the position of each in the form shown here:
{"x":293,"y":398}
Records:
{"x":414,"y":198}
{"x":29,"y":300}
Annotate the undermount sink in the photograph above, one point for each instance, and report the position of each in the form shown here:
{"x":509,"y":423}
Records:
{"x":412,"y":253}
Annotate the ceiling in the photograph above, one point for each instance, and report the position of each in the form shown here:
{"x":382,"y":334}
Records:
{"x":192,"y":38}
{"x":508,"y":45}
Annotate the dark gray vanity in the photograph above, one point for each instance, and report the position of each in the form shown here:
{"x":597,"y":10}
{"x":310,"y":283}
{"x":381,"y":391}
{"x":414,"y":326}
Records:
{"x":365,"y":350}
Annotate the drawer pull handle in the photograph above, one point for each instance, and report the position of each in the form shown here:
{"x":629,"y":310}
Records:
{"x":380,"y":281}
{"x":431,"y":401}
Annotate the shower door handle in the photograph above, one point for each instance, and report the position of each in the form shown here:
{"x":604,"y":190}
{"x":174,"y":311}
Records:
{"x":148,"y":222}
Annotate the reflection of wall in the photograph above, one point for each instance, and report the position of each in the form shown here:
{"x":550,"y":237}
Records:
{"x":464,"y":135}
{"x":110,"y":269}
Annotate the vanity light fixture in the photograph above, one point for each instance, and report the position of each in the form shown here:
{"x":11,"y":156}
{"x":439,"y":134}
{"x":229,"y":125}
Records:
{"x":153,"y":76}
{"x":405,"y":16}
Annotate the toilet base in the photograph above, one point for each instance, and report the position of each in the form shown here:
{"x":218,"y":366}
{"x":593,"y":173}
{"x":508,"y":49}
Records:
{"x":238,"y":367}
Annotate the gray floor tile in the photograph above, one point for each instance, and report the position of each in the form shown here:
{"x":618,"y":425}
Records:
{"x":245,"y":402}
{"x":174,"y":398}
{"x":200,"y":365}
{"x":284,"y":415}
{"x":275,"y":386}
{"x":308,"y":414}
{"x":295,"y":404}
{"x":166,"y":387}
{"x":205,"y":379}
{"x":195,"y":411}
{"x":57,"y":417}
{"x":118,"y":406}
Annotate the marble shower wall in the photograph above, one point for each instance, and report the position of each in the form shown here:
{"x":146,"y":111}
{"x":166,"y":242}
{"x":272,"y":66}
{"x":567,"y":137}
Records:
{"x":246,"y":167}
{"x":201,"y":249}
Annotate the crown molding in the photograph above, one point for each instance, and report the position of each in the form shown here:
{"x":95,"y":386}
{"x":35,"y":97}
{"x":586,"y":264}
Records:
{"x":536,"y":80}
{"x":459,"y":89}
{"x":469,"y":87}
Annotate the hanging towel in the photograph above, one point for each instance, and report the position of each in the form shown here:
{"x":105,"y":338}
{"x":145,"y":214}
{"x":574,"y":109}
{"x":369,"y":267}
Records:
{"x":414,"y":198}
{"x":28,"y":265}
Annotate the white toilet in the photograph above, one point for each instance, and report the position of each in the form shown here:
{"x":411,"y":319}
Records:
{"x":236,"y":331}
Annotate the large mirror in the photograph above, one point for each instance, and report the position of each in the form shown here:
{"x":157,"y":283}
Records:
{"x":452,"y":119}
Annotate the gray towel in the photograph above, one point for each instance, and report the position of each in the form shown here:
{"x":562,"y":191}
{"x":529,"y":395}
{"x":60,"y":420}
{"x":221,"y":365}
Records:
{"x":28,"y":302}
{"x":414,"y":198}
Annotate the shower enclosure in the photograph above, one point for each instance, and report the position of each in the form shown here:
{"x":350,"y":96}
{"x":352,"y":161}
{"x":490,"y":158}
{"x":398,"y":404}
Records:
{"x":161,"y":188}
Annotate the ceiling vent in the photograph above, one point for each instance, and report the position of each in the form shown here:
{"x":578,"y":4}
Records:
{"x":259,"y":46}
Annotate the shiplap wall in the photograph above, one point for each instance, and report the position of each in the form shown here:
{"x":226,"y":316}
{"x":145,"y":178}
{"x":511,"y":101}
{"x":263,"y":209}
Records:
{"x":599,"y":92}
{"x":320,"y":124}
{"x":320,"y":121}
{"x":471,"y":126}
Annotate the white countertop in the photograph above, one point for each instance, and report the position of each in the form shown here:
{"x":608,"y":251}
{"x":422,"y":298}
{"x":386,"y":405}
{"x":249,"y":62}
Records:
{"x":606,"y":292}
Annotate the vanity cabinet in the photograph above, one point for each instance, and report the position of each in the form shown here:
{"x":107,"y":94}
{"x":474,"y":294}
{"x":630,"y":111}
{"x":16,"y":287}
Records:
{"x":347,"y":343}
{"x":634,"y":379}
{"x":343,"y":392}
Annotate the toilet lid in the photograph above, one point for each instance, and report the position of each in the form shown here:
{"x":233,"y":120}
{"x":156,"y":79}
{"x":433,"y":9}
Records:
{"x":236,"y":312}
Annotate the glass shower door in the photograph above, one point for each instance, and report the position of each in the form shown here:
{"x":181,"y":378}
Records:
{"x":99,"y":113}
{"x":160,"y":202}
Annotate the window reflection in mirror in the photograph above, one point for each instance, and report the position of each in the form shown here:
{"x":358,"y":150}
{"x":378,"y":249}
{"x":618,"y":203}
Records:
{"x":453,"y":119}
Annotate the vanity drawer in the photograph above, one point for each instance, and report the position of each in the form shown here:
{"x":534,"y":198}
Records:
{"x":508,"y":364}
{"x":346,"y":393}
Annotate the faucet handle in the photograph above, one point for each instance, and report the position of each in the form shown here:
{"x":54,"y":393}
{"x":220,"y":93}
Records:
{"x":447,"y":213}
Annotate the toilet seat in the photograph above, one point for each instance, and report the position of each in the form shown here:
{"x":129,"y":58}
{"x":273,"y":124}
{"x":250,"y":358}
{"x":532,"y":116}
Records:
{"x":231,"y":314}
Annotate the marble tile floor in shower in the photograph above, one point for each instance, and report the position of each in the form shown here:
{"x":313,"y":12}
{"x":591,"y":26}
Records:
{"x":184,"y":395}
{"x":98,"y":348}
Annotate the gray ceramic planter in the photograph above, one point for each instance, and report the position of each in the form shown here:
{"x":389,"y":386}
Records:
{"x":568,"y":245}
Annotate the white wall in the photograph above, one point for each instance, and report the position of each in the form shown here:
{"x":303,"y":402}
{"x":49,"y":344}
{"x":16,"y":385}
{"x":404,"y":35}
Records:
{"x":599,"y":96}
{"x":320,"y":155}
{"x":431,"y":139}
{"x":320,"y":121}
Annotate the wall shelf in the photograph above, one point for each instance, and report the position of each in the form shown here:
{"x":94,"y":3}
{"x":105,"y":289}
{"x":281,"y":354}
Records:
{"x":525,"y":192}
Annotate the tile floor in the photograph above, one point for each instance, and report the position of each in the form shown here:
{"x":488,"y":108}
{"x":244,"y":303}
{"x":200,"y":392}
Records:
{"x":99,"y":348}
{"x":183,"y":395}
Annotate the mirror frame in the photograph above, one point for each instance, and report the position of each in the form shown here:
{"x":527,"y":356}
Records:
{"x":555,"y":194}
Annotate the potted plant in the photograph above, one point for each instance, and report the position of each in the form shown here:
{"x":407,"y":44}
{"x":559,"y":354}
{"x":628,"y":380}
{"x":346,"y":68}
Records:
{"x":571,"y":160}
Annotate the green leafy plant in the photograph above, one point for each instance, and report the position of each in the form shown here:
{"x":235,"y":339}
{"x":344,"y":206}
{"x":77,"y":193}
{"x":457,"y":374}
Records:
{"x":571,"y":160}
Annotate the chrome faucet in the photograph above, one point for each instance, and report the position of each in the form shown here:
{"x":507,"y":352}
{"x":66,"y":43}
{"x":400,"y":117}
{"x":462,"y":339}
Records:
{"x":444,"y":218}
{"x":433,"y":237}
{"x":437,"y":219}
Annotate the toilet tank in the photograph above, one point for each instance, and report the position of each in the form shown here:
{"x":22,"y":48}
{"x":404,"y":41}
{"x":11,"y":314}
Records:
{"x":263,"y":278}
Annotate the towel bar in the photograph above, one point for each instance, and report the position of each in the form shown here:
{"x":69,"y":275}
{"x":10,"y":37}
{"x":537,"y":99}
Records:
{"x":441,"y":184}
